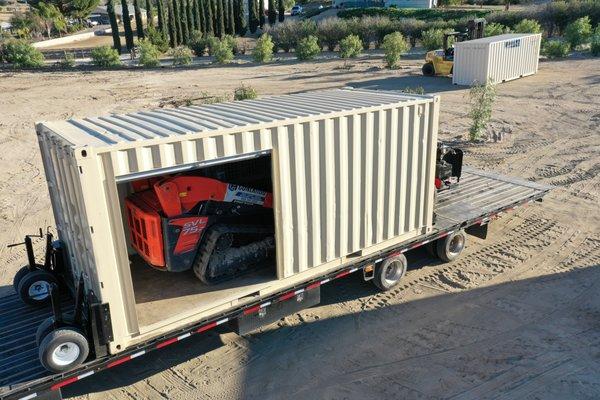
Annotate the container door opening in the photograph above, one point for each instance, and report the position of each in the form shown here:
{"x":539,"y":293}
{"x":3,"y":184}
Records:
{"x":199,"y":239}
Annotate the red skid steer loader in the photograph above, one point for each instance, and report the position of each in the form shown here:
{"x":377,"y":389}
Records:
{"x":220,"y":230}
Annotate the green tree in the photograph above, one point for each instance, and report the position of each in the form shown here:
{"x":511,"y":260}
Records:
{"x":200,"y":16}
{"x":139,"y":24}
{"x":149,"y":13}
{"x":80,"y":9}
{"x":528,"y":26}
{"x":196,"y":13}
{"x":261,"y":13}
{"x":189,"y":18}
{"x":21,"y":54}
{"x":481,"y":97}
{"x":281,"y":10}
{"x":105,"y":56}
{"x":241,"y":25}
{"x":177,"y":16}
{"x":215,"y":13}
{"x":127,"y":25}
{"x":230,"y":18}
{"x":220,"y":31}
{"x":208,"y":18}
{"x":183,"y":13}
{"x":394,"y":45}
{"x":308,"y":48}
{"x":225,"y":15}
{"x":263,"y":52}
{"x":272,"y":13}
{"x":252,"y":16}
{"x":50,"y":15}
{"x":578,"y":32}
{"x":173,"y":41}
{"x":350,"y":47}
{"x":162,"y":24}
{"x":149,"y":54}
{"x":114,"y":26}
{"x":495,"y":29}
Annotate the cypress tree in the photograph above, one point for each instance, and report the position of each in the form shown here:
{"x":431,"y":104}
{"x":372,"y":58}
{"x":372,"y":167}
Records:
{"x":190,"y":17}
{"x":114,"y":26}
{"x":261,"y":13}
{"x":172,"y":25}
{"x":272,"y":12}
{"x":220,"y":31}
{"x":197,"y":16}
{"x":183,"y":14}
{"x":241,"y":26}
{"x":225,"y":15}
{"x":208,"y":17}
{"x":139,"y":25}
{"x":201,"y":16}
{"x":149,"y":14}
{"x":281,"y":9}
{"x":215,"y":17}
{"x":252,"y":16}
{"x":230,"y":18}
{"x":177,"y":17}
{"x":161,"y":18}
{"x":127,"y":25}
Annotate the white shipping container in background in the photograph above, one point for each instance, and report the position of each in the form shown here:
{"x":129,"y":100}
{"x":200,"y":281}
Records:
{"x":497,"y":58}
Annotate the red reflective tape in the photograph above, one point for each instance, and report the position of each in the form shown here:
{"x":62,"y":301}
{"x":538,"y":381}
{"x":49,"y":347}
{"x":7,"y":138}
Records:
{"x":118,"y":362}
{"x":414,"y":246}
{"x":287,"y":296}
{"x":313,"y":285}
{"x":443,"y":235}
{"x":207,"y":327}
{"x":63,"y":383}
{"x":166,"y":343}
{"x":341,"y":274}
{"x":251,"y":310}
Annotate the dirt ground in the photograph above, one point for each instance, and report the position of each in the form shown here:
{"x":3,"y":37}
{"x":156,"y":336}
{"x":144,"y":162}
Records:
{"x":517,"y":317}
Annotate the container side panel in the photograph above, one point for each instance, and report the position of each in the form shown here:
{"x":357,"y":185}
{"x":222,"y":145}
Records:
{"x":402,"y":191}
{"x":330,"y":185}
{"x":355,"y":181}
{"x":391,"y":174}
{"x":381,"y":154}
{"x":367,"y":129}
{"x":298,"y":149}
{"x":342,"y":191}
{"x":314,"y":193}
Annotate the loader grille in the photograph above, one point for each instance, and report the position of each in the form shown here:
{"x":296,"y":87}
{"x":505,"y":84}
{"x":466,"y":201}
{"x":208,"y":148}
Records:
{"x":145,"y":230}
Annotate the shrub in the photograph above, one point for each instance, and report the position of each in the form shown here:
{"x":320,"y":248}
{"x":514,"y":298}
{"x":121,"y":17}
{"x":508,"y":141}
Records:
{"x":481,"y":97}
{"x":245,"y":93}
{"x":556,"y":49}
{"x":578,"y":32}
{"x":415,"y":90}
{"x":350,"y":46}
{"x":157,"y":39}
{"x":528,"y":26}
{"x":411,"y":28}
{"x":149,"y":54}
{"x":223,"y":52}
{"x":198,"y":43}
{"x":495,"y":29}
{"x":105,"y":56}
{"x":232,"y":43}
{"x":181,"y":55}
{"x":263,"y":52}
{"x":418,"y":13}
{"x":394,"y":45}
{"x":595,"y":42}
{"x":368,"y":29}
{"x":308,"y":48}
{"x":22,"y":55}
{"x":67,"y":60}
{"x":432,"y":39}
{"x":286,"y":35}
{"x":331,"y":31}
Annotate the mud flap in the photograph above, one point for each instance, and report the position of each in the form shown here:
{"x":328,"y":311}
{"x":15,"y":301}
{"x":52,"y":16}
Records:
{"x":248,"y":323}
{"x":479,"y":231}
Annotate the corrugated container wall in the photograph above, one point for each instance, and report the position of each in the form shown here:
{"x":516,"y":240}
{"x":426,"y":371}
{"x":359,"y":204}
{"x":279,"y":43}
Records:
{"x":497,"y":58}
{"x":352,"y":170}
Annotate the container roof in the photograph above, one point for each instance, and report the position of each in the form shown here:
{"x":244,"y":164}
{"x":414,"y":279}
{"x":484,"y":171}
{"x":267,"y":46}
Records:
{"x":118,"y":129}
{"x":494,"y":39}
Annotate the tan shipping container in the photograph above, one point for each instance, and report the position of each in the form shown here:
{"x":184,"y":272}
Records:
{"x":496,"y":58}
{"x":352,"y":173}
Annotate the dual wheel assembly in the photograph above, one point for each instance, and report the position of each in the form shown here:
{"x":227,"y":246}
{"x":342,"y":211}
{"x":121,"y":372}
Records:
{"x":62,"y":344}
{"x":388,"y":273}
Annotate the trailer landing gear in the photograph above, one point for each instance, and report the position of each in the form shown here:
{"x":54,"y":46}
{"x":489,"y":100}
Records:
{"x":389,"y":272}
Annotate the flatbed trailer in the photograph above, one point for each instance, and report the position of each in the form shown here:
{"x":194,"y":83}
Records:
{"x":470,"y":205}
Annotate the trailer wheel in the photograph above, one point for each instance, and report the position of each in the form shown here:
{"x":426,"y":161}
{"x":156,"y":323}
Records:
{"x":389,"y":272}
{"x":63,"y":349}
{"x":428,"y":69}
{"x":18,"y":276}
{"x":34,"y":287}
{"x":450,"y":247}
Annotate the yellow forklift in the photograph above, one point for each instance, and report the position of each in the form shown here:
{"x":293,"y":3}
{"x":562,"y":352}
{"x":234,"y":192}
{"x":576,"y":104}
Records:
{"x":441,"y":62}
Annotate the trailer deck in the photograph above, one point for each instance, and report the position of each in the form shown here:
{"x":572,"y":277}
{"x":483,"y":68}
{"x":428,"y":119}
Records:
{"x":480,"y":197}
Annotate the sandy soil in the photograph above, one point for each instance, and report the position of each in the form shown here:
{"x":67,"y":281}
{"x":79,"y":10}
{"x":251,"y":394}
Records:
{"x":517,"y":317}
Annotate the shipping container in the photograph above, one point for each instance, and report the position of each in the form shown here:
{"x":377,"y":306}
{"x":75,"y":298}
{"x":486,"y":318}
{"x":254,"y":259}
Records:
{"x":496,"y":59}
{"x":353,"y":179}
{"x":352,"y":172}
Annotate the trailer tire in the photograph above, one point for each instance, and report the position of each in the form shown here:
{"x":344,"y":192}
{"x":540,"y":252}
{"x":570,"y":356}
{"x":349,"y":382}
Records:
{"x":63,"y":349}
{"x":34,"y":287}
{"x":389,"y":272}
{"x":428,"y":69}
{"x":44,"y":329}
{"x":450,"y":247}
{"x":18,"y":276}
